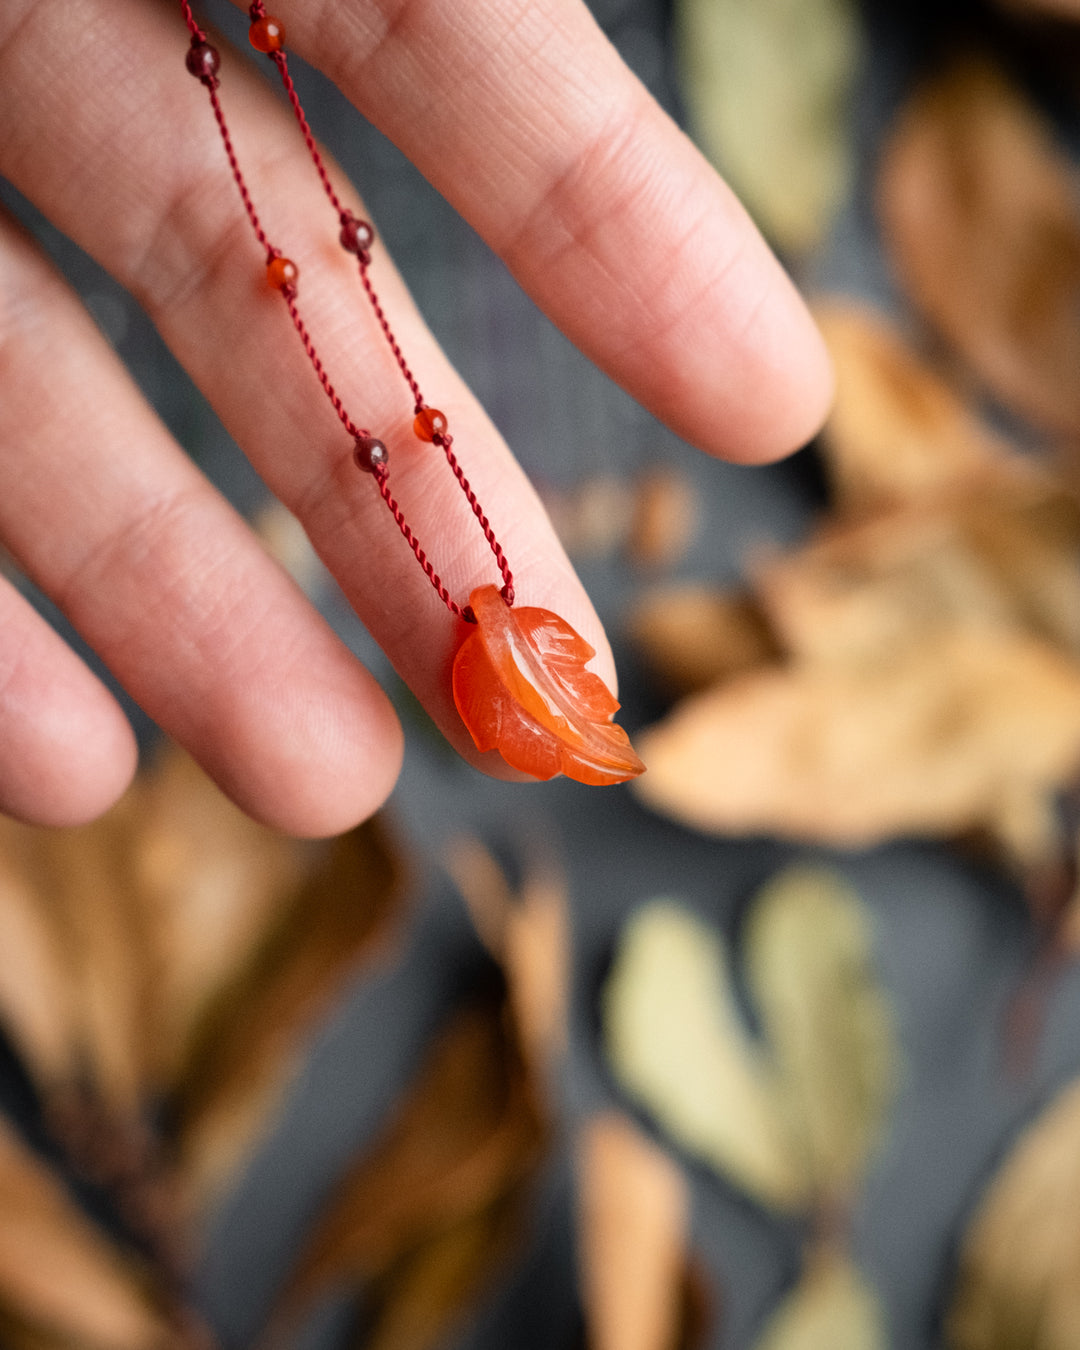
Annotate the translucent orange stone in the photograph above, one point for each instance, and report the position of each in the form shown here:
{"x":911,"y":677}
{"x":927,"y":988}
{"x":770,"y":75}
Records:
{"x":521,"y":687}
{"x":267,"y":34}
{"x":429,"y":423}
{"x":282,"y":273}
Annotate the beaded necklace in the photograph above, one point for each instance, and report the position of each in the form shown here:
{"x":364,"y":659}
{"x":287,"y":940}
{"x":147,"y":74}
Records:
{"x":519,"y":677}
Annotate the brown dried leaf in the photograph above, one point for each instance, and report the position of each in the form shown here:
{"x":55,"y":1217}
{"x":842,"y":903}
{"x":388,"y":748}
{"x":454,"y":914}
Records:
{"x":972,"y":730}
{"x":694,"y":636}
{"x":897,"y":433}
{"x":665,"y":519}
{"x":1018,"y":1284}
{"x":211,"y":883}
{"x":419,"y":1205}
{"x":592,"y":519}
{"x":250,"y":1041}
{"x":528,"y":934}
{"x":979,"y":208}
{"x":1004,"y":557}
{"x":634,"y":1208}
{"x":37,"y":1002}
{"x":60,"y":1277}
{"x":434,"y":1288}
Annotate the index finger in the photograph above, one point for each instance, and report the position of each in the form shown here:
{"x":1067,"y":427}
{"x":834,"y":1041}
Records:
{"x":526,"y":119}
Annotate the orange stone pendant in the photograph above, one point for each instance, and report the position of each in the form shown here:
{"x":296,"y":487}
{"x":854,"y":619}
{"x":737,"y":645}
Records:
{"x":521,"y":687}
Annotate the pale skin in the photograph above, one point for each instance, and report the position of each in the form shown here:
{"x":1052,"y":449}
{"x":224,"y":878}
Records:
{"x":522,"y":115}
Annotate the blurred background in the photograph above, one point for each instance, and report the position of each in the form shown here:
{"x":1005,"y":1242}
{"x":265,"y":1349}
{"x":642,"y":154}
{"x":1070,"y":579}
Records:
{"x":776,"y":1050}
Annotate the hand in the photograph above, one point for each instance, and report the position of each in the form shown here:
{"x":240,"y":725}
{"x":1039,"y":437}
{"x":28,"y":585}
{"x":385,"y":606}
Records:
{"x":523,"y":116}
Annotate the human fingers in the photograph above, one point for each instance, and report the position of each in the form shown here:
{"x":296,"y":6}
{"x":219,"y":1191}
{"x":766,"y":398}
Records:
{"x":106,"y":514}
{"x":524,"y":116}
{"x":136,"y":173}
{"x":66,"y":750}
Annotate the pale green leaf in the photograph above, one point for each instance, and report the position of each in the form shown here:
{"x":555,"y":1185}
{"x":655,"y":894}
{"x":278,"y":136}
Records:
{"x":826,"y":1020}
{"x":677,"y":1043}
{"x":767,"y":85}
{"x":831,"y":1308}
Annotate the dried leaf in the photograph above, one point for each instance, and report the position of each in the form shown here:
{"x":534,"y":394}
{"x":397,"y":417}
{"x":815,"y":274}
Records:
{"x":768,"y":86}
{"x":59,"y":1275}
{"x":37,"y":1005}
{"x":830,"y":1030}
{"x":1018,"y":1283}
{"x":421,"y":1203}
{"x":831,"y":1308}
{"x":665,"y":519}
{"x":677,"y":1043}
{"x":250,"y":1041}
{"x":211,"y":884}
{"x":897,"y":433}
{"x":634,"y":1213}
{"x":432,"y":1292}
{"x":528,"y":935}
{"x":695,"y":636}
{"x":521,"y":687}
{"x":966,"y":732}
{"x":592,"y":519}
{"x":979,"y":208}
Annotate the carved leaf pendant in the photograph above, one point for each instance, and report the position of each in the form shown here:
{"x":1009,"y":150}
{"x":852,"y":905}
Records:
{"x":521,"y":687}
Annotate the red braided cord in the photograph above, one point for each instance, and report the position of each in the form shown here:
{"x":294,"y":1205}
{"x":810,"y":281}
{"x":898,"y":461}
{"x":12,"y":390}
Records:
{"x":381,"y":480}
{"x":320,"y":370}
{"x":478,"y":511}
{"x":257,"y":10}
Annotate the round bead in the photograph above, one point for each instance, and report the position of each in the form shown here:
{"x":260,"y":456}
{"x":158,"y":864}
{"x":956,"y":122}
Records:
{"x":203,"y":61}
{"x":267,"y":34}
{"x":282,"y":273}
{"x":356,"y":236}
{"x":370,"y":454}
{"x":429,"y":423}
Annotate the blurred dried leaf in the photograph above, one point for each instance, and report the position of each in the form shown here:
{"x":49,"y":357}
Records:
{"x":665,"y":518}
{"x":211,"y":883}
{"x":897,"y":433}
{"x":37,"y":1002}
{"x":634,"y":1213}
{"x":826,"y":1021}
{"x":1018,"y":1282}
{"x":966,"y":731}
{"x":831,"y":1308}
{"x":693,"y":636}
{"x":593,"y":518}
{"x":249,"y":1043}
{"x":768,"y":85}
{"x":676,"y":1042}
{"x":429,"y":1211}
{"x":528,"y":935}
{"x":60,"y":1277}
{"x":431,"y":1292}
{"x":792,"y":1119}
{"x":979,"y":209}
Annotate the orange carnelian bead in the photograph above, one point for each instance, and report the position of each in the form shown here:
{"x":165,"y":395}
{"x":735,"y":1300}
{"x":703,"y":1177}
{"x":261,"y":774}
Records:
{"x":429,"y":423}
{"x":282,"y":273}
{"x":267,"y":34}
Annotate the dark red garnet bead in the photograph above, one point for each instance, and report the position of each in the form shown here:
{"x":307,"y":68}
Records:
{"x":370,"y":454}
{"x":203,"y":62}
{"x":356,"y":236}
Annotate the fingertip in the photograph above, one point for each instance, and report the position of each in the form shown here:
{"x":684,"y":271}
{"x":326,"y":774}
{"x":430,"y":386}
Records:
{"x":333,"y":760}
{"x":68,"y":767}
